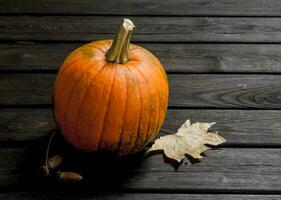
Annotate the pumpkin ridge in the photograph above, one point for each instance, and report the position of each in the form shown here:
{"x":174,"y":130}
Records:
{"x":68,"y":68}
{"x":135,"y":145}
{"x":140,"y":116}
{"x":63,"y":111}
{"x":69,"y":99}
{"x":147,"y":134}
{"x":155,"y":131}
{"x":123,"y":117}
{"x":102,"y":50}
{"x":119,"y":144}
{"x":158,"y":111}
{"x":154,"y":59}
{"x":156,"y":88}
{"x":157,"y":119}
{"x":83,"y":99}
{"x":162,"y":72}
{"x":107,"y":103}
{"x":59,"y":92}
{"x":149,"y":137}
{"x":70,"y":65}
{"x":159,"y":123}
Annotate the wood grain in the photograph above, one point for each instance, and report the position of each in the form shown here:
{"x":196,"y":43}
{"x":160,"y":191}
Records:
{"x":229,"y":170}
{"x":186,"y":90}
{"x":180,"y":58}
{"x":239,"y":127}
{"x":126,"y":196}
{"x":148,"y":29}
{"x":20,"y":125}
{"x":225,"y":91}
{"x":144,"y":7}
{"x":223,"y":60}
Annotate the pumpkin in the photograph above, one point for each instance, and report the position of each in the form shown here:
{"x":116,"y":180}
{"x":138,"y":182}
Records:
{"x":111,"y":95}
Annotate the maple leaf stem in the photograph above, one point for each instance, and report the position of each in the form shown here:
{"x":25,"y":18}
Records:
{"x":163,"y":130}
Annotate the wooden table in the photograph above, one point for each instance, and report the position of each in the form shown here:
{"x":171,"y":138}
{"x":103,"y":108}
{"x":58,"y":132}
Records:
{"x":223,"y":60}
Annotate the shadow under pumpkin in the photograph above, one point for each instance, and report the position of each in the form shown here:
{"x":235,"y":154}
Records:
{"x":101,"y":171}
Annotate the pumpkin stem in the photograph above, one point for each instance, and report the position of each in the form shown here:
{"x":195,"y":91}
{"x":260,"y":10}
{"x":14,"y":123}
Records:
{"x":119,"y":50}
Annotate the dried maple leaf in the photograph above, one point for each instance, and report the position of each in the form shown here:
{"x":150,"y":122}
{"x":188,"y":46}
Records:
{"x":190,"y":139}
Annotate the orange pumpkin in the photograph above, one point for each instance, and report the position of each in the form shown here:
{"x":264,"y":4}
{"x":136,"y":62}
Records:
{"x":111,"y":96}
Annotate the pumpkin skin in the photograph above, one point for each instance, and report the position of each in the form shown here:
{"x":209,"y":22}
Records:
{"x":105,"y":106}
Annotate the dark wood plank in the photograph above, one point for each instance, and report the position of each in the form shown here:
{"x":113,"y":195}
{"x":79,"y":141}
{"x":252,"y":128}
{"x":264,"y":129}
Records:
{"x":126,"y":196}
{"x":26,"y":87}
{"x":238,"y":127}
{"x":225,"y":91}
{"x":186,"y":90}
{"x":229,"y":170}
{"x":144,"y":7}
{"x":25,"y":124}
{"x":148,"y":29}
{"x":256,"y":58}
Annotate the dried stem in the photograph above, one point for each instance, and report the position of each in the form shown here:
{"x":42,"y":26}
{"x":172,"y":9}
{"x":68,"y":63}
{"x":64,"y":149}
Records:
{"x":48,"y":147}
{"x":119,"y":50}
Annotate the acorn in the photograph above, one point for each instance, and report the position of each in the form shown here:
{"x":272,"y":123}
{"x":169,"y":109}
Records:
{"x":54,"y":161}
{"x":69,"y":176}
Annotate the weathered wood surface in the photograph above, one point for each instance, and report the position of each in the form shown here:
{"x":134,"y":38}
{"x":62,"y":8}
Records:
{"x":130,"y":196}
{"x":191,"y":58}
{"x":201,"y":44}
{"x":148,"y":29}
{"x":239,"y":127}
{"x":186,"y":90}
{"x":144,"y":7}
{"x":224,"y":169}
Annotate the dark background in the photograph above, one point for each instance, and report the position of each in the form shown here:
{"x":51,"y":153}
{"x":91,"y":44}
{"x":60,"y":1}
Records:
{"x":223,"y":62}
